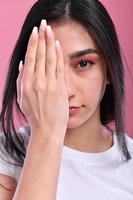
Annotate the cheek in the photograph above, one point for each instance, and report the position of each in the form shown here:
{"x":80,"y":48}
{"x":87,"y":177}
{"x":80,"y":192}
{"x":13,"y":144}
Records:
{"x":94,"y":85}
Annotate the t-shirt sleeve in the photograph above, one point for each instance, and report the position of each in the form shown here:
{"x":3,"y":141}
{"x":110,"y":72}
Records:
{"x":7,"y":163}
{"x":130,"y":145}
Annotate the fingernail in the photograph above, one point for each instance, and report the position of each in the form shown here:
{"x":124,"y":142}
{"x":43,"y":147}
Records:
{"x":49,"y":29}
{"x":34,"y":31}
{"x":43,"y":24}
{"x":20,"y":66}
{"x":57,"y":43}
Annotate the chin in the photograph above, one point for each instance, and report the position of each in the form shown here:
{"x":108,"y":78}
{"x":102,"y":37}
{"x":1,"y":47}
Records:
{"x":75,"y":123}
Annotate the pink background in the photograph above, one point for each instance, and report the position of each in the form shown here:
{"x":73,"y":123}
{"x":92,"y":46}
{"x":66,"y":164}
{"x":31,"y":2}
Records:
{"x":12,"y":14}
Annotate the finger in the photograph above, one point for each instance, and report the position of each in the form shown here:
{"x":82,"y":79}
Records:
{"x":50,"y":63}
{"x":60,"y":72}
{"x":41,"y":51}
{"x":19,"y":81}
{"x":30,"y":57}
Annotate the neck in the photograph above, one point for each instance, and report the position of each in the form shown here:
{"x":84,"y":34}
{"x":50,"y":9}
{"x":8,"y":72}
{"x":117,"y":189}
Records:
{"x":91,"y":136}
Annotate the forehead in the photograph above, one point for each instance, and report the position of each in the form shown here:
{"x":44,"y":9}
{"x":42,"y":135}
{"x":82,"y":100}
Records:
{"x":72,"y":36}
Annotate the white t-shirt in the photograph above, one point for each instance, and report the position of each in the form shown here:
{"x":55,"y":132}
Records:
{"x":86,"y":176}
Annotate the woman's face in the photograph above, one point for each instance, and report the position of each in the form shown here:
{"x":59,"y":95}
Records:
{"x":85,"y":71}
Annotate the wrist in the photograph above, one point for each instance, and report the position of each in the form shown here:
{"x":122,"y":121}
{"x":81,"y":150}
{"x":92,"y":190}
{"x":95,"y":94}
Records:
{"x":55,"y":135}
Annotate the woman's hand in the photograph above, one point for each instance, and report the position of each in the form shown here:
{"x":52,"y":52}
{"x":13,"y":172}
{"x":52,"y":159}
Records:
{"x":41,"y":87}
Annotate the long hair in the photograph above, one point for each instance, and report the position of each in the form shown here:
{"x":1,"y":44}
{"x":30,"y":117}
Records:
{"x":95,"y":18}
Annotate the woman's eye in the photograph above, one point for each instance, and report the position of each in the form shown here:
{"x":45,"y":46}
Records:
{"x":83,"y":64}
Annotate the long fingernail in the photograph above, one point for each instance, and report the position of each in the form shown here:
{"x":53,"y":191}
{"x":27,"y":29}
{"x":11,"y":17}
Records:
{"x":49,"y":29}
{"x":34,"y":31}
{"x":43,"y":24}
{"x":20,"y":66}
{"x":57,"y":43}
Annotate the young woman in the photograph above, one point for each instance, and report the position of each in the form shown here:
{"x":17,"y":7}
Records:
{"x":66,"y":79}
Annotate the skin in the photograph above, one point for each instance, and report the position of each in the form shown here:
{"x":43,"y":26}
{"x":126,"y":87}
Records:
{"x":68,"y":83}
{"x":73,"y":37}
{"x":48,"y":83}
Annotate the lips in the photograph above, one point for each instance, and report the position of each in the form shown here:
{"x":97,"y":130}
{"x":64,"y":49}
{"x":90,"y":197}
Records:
{"x":70,"y":107}
{"x":73,"y":110}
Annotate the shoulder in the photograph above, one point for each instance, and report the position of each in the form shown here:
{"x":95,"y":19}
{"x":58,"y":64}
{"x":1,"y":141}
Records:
{"x":129,"y":141}
{"x":8,"y":165}
{"x":25,"y":132}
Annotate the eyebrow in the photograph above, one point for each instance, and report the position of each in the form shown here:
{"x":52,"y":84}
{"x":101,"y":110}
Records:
{"x":83,"y":52}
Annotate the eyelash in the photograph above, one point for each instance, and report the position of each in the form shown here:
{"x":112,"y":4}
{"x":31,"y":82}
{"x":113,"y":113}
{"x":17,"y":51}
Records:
{"x":88,"y":61}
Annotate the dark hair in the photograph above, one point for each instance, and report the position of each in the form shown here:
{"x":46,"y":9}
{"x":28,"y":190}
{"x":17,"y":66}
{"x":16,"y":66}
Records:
{"x":94,"y":17}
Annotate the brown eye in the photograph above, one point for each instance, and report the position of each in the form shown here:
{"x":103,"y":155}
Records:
{"x":84,"y":64}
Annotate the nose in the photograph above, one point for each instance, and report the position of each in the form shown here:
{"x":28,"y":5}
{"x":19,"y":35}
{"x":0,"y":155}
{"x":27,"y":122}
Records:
{"x":70,"y":83}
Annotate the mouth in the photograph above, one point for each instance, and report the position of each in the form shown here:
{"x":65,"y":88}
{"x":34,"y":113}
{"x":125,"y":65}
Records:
{"x":73,"y":110}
